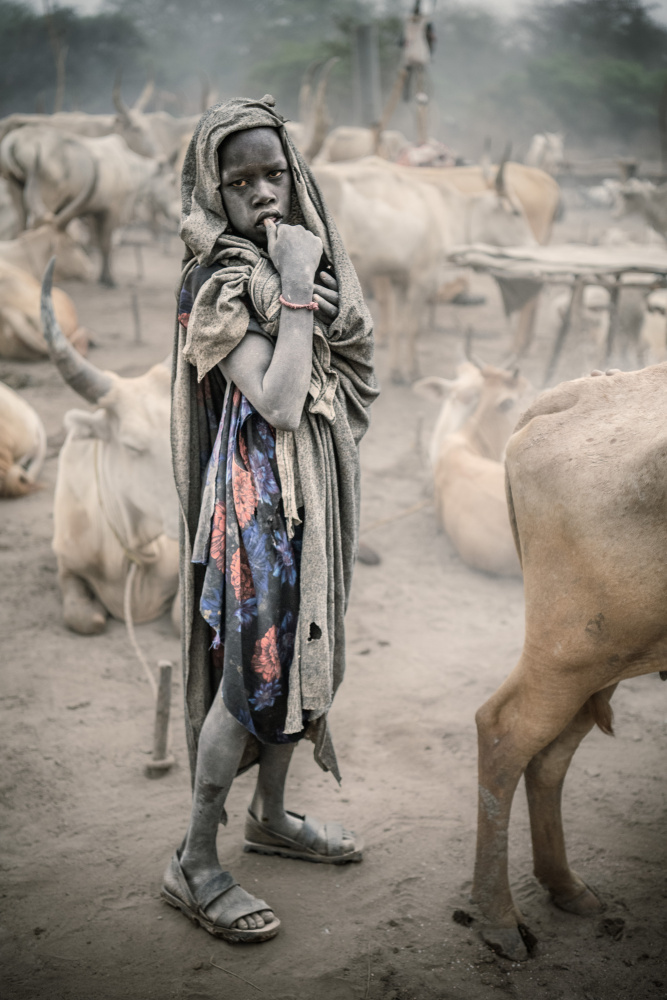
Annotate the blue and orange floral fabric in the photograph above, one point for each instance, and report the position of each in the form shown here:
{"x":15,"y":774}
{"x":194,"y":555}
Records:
{"x":250,"y":596}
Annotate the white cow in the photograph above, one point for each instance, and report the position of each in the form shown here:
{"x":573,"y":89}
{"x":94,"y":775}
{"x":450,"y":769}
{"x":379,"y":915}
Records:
{"x":351,"y":142}
{"x":22,"y":444}
{"x":21,"y":335}
{"x":34,"y":248}
{"x":398,"y":230}
{"x":546,"y":151}
{"x":480,"y":409}
{"x":115,"y":500}
{"x":99,"y":179}
{"x":646,"y":199}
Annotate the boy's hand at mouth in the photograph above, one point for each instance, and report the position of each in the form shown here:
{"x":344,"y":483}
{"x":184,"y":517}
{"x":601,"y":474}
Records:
{"x":296,"y":252}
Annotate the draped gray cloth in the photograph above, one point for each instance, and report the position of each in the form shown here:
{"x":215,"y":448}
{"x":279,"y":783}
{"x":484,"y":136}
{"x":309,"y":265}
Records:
{"x":322,"y":453}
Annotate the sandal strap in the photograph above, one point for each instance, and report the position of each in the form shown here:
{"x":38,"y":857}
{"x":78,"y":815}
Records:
{"x":214,"y":888}
{"x":333,"y":833}
{"x":309,"y":832}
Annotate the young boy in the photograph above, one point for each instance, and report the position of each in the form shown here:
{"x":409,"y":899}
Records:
{"x":273,"y":378}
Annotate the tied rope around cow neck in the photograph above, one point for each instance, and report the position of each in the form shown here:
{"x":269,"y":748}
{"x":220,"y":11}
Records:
{"x":135,"y":562}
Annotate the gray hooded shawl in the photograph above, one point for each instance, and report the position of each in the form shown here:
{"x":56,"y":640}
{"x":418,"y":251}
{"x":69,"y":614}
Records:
{"x":322,"y":454}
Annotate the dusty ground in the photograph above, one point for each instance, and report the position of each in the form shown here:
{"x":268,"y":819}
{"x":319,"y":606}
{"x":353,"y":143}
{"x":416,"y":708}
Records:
{"x":86,"y":836}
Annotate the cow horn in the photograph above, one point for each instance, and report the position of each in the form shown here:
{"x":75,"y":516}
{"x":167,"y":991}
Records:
{"x":306,"y":90}
{"x":485,"y":161}
{"x":500,"y":176}
{"x":83,"y":377}
{"x":117,"y":98}
{"x":319,"y":119}
{"x":76,"y":206}
{"x":468,"y":351}
{"x":145,"y":96}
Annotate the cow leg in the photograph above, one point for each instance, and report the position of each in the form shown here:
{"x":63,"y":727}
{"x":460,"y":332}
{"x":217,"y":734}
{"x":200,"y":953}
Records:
{"x":381,"y":285}
{"x":103,"y":231}
{"x":524,"y":715}
{"x":82,"y":612}
{"x":525,"y":328}
{"x":545,"y":775}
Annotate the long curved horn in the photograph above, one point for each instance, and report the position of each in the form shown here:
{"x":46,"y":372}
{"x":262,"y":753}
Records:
{"x":145,"y":96}
{"x":306,"y":90}
{"x":68,"y":212}
{"x":485,"y":161}
{"x":83,"y":377}
{"x":319,"y":124}
{"x":117,"y":98}
{"x":500,"y":176}
{"x":468,"y":351}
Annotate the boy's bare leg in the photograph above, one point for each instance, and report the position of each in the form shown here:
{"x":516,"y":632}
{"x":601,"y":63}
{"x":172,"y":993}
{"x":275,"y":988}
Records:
{"x":268,"y":803}
{"x":219,"y":754}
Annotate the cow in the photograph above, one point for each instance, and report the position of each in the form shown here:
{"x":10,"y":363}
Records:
{"x":653,"y":333}
{"x":398,"y":228}
{"x":587,"y":492}
{"x":546,"y":151}
{"x":99,"y":179}
{"x":32,"y":250}
{"x":479,"y":410}
{"x":351,"y":142}
{"x":646,"y":199}
{"x":22,"y":444}
{"x":115,"y":501}
{"x":21,"y":335}
{"x":153,"y":134}
{"x":591,"y":317}
{"x":9,"y":220}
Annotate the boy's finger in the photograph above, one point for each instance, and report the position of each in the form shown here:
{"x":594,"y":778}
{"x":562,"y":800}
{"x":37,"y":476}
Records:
{"x":326,"y":293}
{"x":271,"y":232}
{"x":326,"y":307}
{"x":328,"y":280}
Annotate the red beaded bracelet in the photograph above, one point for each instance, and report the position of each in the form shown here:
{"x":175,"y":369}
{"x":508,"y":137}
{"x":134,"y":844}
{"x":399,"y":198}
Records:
{"x":293,"y":305}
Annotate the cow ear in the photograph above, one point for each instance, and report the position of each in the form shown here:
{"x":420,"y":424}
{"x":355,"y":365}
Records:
{"x":83,"y":424}
{"x":434,"y":388}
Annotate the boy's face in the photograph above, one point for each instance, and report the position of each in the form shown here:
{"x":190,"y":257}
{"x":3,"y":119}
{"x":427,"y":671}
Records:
{"x":255,"y":181}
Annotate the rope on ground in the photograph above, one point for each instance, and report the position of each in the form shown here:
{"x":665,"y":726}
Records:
{"x":396,"y":517}
{"x":127,"y":610}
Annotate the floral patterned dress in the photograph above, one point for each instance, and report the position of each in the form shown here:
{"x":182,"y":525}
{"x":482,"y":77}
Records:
{"x":250,"y":596}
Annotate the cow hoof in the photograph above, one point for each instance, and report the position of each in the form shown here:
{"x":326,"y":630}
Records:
{"x":584,"y":904}
{"x":85,"y":620}
{"x":505,"y":941}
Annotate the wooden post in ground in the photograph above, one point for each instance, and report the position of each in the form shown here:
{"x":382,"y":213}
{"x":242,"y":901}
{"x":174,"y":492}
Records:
{"x":161,"y":760}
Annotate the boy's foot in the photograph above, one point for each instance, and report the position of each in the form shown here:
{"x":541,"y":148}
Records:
{"x":216,"y":902}
{"x":304,"y":838}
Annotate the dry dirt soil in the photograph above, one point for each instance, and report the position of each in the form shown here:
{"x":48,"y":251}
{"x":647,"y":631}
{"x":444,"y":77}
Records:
{"x":86,"y":835}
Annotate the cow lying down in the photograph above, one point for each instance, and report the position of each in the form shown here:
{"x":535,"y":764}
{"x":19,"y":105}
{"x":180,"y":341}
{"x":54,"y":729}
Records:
{"x":479,"y":411}
{"x":22,"y":444}
{"x":587,"y":491}
{"x":20,"y":328}
{"x":115,"y":500}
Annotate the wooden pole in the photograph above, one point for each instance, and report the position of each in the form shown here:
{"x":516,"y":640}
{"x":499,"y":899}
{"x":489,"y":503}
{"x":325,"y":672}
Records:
{"x":161,"y":760}
{"x":136,"y":317}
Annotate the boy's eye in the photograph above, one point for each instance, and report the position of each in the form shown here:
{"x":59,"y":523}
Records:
{"x":238,"y":184}
{"x":276,"y":173}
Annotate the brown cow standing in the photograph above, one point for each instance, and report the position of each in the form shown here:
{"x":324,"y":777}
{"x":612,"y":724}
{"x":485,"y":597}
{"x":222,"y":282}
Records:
{"x":587,"y":489}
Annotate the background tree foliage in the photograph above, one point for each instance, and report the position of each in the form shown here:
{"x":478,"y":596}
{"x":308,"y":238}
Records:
{"x":592,"y":68}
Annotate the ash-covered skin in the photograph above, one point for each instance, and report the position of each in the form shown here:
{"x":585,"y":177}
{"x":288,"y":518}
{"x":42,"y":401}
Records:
{"x":256,"y":189}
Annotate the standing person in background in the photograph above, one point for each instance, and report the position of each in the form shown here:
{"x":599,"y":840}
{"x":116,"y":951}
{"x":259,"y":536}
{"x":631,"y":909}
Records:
{"x":273,"y":379}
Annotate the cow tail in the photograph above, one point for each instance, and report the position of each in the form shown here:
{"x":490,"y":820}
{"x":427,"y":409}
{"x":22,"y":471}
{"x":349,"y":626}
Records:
{"x":601,"y":711}
{"x":512,"y":515}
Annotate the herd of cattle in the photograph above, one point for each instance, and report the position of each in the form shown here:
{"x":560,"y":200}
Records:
{"x":115,"y":504}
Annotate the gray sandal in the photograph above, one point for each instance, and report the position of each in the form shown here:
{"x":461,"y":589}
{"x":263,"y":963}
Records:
{"x":177,"y":892}
{"x":265,"y":841}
